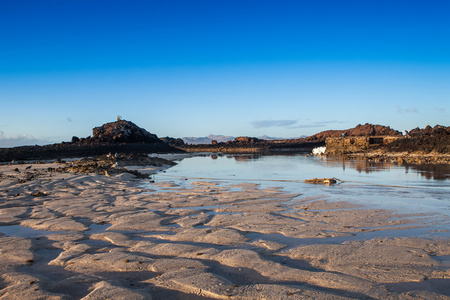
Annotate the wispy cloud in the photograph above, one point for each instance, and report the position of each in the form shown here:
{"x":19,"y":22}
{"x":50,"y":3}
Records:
{"x":411,"y":110}
{"x":20,"y":140}
{"x":440,"y":109}
{"x":317,"y":124}
{"x":273,"y":123}
{"x":291,"y":124}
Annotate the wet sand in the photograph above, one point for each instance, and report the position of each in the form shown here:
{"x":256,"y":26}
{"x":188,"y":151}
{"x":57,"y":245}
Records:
{"x":78,"y":236}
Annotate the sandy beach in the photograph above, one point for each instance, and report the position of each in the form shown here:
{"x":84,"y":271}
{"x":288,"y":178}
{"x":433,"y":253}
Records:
{"x":90,"y":236}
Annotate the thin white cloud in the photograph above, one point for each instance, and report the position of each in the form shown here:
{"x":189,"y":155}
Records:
{"x":20,"y":140}
{"x":291,"y":124}
{"x":273,"y":123}
{"x":411,"y":110}
{"x":317,"y":124}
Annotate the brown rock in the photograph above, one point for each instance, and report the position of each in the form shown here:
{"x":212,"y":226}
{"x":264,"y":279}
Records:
{"x":359,"y":130}
{"x":38,"y":194}
{"x":123,"y":132}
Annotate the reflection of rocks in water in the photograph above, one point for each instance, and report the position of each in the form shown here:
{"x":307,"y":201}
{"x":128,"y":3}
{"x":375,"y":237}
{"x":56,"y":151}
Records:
{"x":247,"y":157}
{"x":359,"y":165}
{"x":437,"y":172}
{"x":429,"y":171}
{"x":369,"y":167}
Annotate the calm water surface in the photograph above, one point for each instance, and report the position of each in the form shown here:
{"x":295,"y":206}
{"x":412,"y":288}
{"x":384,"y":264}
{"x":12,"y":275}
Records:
{"x":409,"y":189}
{"x":413,"y":189}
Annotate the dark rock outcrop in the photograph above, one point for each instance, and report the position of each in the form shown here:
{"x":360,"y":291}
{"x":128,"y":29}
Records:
{"x":437,"y":130}
{"x":123,"y":131}
{"x":120,"y":136}
{"x":421,"y":146}
{"x":254,"y":145}
{"x":359,"y":130}
{"x":244,"y":140}
{"x":430,"y":139}
{"x":207,"y":139}
{"x":113,"y":164}
{"x":174,"y":142}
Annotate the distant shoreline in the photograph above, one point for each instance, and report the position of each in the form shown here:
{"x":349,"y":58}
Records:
{"x":65,"y":151}
{"x":369,"y":142}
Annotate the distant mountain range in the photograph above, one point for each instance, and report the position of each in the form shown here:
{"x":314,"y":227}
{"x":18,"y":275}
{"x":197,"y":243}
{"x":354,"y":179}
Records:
{"x":221,"y":139}
{"x":207,"y":139}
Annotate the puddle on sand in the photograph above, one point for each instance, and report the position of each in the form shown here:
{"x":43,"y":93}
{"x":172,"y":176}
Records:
{"x":443,"y":259}
{"x":25,"y":232}
{"x":173,"y":225}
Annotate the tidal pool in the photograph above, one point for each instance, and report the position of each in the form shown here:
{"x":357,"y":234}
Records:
{"x":409,"y":189}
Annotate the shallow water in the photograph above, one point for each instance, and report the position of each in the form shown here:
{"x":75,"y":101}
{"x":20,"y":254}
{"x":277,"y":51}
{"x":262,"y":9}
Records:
{"x":408,"y":189}
{"x":22,"y":231}
{"x":405,"y":189}
{"x":27,"y":232}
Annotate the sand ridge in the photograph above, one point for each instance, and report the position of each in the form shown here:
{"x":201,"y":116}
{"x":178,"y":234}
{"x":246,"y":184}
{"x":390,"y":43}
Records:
{"x":92,"y":236}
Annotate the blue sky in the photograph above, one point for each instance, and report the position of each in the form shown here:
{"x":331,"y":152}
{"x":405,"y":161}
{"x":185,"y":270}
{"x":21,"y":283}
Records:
{"x":194,"y":68}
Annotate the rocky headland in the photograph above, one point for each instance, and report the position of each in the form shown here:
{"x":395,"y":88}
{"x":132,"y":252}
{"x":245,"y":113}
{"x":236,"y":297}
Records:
{"x":121,"y":136}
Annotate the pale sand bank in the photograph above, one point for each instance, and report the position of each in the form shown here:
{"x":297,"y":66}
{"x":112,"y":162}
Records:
{"x":111,"y":238}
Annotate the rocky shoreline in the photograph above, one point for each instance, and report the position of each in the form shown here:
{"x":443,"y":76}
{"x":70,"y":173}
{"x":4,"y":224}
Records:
{"x":246,"y":144}
{"x":368,"y":142}
{"x":261,"y":147}
{"x":70,"y":150}
{"x":399,"y":158}
{"x":115,"y":137}
{"x":420,"y":146}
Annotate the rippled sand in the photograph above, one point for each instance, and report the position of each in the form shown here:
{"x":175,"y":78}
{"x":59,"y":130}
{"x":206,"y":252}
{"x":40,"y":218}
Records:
{"x":69,"y":236}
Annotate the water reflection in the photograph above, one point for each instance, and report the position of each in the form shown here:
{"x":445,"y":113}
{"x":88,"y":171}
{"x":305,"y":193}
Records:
{"x":436,"y":172}
{"x":248,"y":157}
{"x":429,"y":171}
{"x":362,"y":166}
{"x":405,"y":188}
